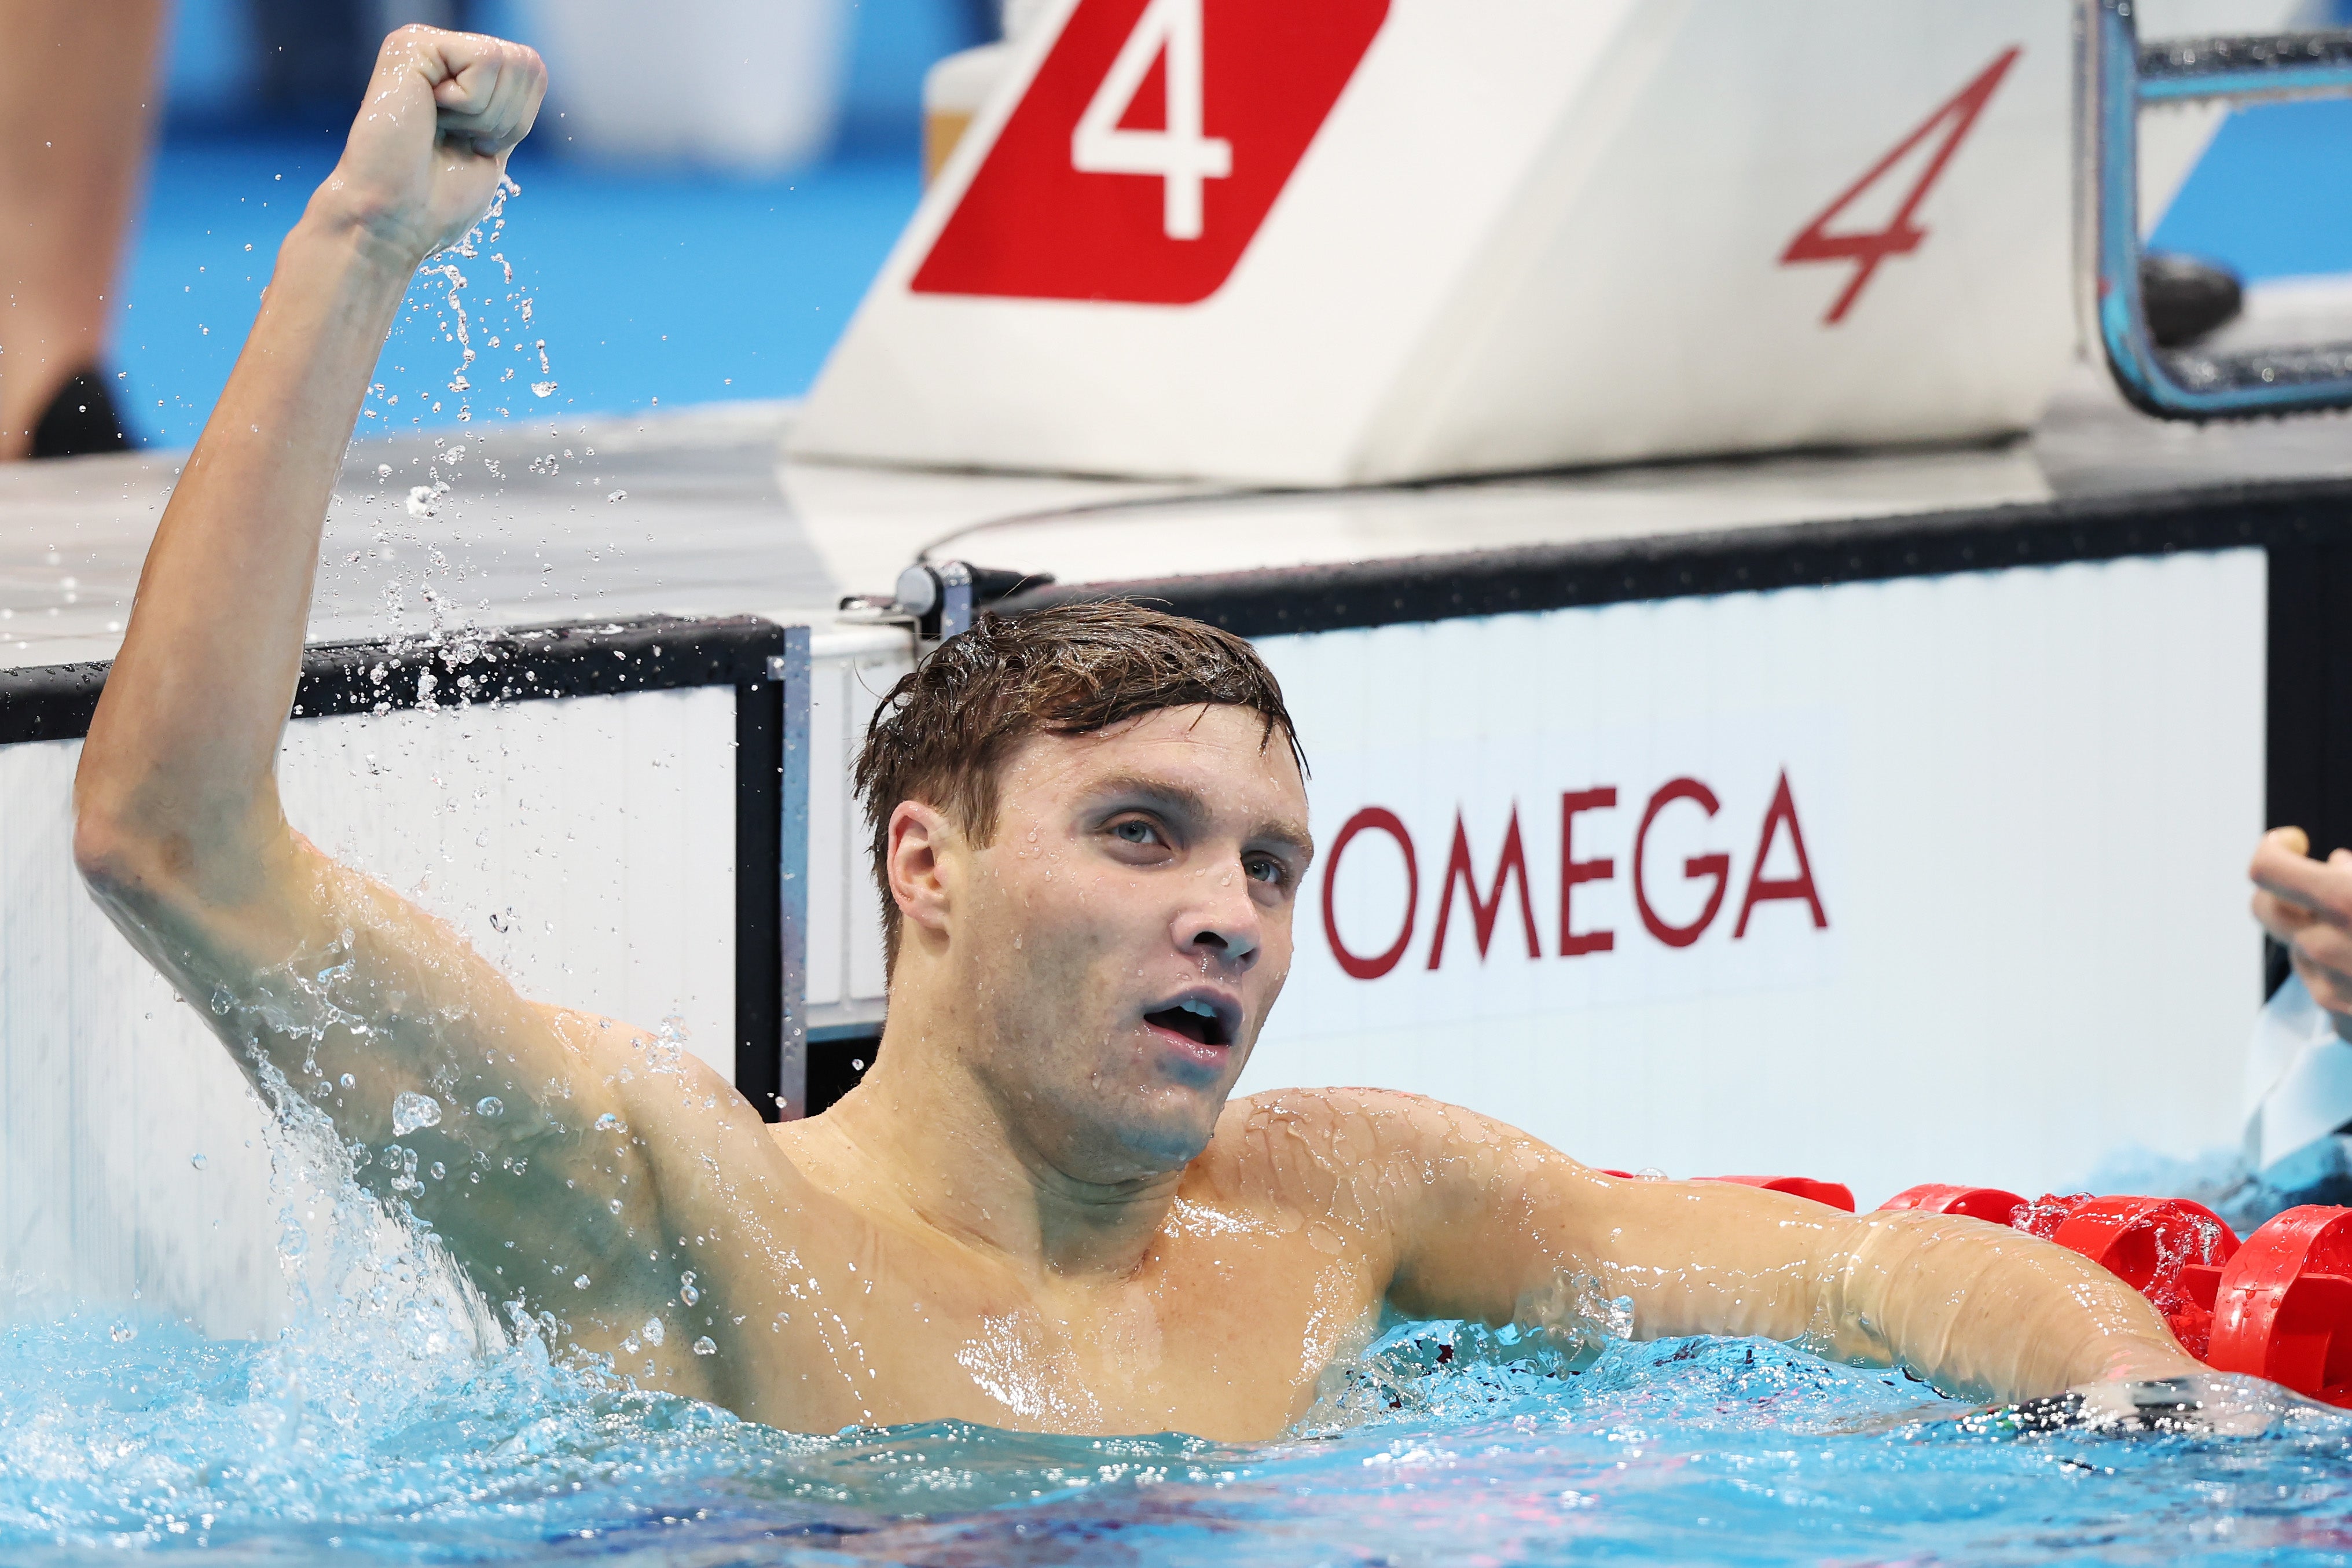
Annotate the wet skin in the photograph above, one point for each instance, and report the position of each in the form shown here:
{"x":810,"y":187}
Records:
{"x":1039,"y":1210}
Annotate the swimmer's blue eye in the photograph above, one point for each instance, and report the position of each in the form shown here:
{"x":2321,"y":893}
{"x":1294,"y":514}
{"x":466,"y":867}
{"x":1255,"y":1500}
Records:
{"x":1266,"y":869}
{"x":1136,"y":831}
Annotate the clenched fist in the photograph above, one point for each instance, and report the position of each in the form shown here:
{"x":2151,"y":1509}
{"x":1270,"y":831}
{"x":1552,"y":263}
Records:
{"x":430,"y":145}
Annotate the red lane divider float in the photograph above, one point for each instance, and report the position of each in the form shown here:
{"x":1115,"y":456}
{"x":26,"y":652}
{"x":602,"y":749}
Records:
{"x":1990,"y":1203}
{"x":2152,"y":1244}
{"x":2283,"y":1305}
{"x":1837,"y":1194}
{"x":2277,"y":1304}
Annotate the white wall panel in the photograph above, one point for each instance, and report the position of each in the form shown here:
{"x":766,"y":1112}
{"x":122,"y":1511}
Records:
{"x":869,"y":683}
{"x":2027,"y":797}
{"x":585,"y":845}
{"x":850,"y":679}
{"x":829,"y":839}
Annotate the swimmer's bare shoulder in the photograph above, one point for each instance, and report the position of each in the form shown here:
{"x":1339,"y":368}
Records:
{"x":1398,"y":1176}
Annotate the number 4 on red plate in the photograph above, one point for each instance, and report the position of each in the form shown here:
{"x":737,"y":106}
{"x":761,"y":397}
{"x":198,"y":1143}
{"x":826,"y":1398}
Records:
{"x":1901,"y":236}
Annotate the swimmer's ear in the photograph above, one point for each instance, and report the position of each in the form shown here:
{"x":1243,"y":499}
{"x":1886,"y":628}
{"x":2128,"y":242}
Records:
{"x":918,"y":838}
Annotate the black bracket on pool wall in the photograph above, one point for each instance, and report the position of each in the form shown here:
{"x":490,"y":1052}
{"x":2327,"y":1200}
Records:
{"x":2308,"y":726}
{"x":765,"y":663}
{"x":772,"y":781}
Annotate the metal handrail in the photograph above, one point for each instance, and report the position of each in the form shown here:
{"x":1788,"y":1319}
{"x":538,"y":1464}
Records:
{"x":2117,"y":76}
{"x":2277,"y":67}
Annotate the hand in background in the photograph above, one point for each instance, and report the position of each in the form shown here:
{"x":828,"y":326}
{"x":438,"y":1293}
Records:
{"x":2306,"y":906}
{"x":429,"y":146}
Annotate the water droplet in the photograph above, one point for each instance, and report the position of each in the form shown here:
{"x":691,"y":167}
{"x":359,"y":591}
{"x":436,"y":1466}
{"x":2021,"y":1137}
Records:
{"x":686,"y":1291}
{"x":124,"y":1332}
{"x":440,"y":1170}
{"x":608,"y":1123}
{"x":488,"y":1105}
{"x":580,"y":1283}
{"x":197,"y":1161}
{"x":411,"y":1111}
{"x":614,"y":1206}
{"x":618,"y":496}
{"x":542,"y":389}
{"x":652,"y":1331}
{"x":704,"y":1347}
{"x":348,"y":1080}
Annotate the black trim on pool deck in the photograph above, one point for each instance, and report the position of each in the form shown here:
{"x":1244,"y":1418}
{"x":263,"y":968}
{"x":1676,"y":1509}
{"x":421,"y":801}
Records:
{"x":1359,"y":594}
{"x":578,"y":659}
{"x":601,"y":658}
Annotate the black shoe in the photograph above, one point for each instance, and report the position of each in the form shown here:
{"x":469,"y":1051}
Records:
{"x":79,"y":419}
{"x":2186,"y":298}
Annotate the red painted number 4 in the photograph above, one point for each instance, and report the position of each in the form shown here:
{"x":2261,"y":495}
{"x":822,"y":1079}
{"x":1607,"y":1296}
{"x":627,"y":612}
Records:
{"x":1180,"y":156}
{"x":1901,"y":236}
{"x":1147,"y":149}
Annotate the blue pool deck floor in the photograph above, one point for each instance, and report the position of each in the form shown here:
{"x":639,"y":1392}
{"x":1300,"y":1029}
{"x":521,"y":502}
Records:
{"x":646,"y":289}
{"x":669,"y":290}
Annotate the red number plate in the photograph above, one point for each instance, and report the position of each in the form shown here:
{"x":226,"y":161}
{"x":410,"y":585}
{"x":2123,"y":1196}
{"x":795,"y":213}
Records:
{"x":1151,"y":145}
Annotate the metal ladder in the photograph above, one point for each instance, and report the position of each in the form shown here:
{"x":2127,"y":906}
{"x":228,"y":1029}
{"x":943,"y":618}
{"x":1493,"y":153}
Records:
{"x":2117,"y":76}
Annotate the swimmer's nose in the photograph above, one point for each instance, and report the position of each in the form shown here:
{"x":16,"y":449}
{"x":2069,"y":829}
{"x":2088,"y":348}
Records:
{"x":1225,"y":925}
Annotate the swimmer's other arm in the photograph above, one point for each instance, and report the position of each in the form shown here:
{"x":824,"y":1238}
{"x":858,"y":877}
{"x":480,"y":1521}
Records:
{"x":1491,"y":1224}
{"x":305,"y":969}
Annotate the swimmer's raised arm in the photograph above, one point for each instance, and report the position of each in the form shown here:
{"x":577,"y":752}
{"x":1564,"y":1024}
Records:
{"x":1489,"y":1223}
{"x":366,"y":1006}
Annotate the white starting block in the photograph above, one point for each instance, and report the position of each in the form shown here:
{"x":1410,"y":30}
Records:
{"x":1373,"y":240}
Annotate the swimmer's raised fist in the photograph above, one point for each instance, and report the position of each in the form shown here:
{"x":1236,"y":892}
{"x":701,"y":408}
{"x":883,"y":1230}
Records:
{"x":430,"y":144}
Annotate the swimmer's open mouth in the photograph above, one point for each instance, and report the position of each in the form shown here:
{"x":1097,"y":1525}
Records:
{"x":1198,"y":1020}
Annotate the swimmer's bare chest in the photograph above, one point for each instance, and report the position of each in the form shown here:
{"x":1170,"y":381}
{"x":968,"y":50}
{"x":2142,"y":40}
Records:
{"x":1225,"y":1330}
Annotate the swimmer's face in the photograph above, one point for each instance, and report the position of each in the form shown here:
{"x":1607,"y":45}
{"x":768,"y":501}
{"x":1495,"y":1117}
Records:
{"x":1125,"y":931}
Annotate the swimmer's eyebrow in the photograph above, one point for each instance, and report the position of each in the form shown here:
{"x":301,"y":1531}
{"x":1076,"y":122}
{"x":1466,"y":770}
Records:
{"x":1189,"y":806}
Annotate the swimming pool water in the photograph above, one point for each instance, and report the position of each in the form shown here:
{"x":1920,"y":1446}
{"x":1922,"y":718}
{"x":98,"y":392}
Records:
{"x":391,"y":1423}
{"x":372,"y":1436}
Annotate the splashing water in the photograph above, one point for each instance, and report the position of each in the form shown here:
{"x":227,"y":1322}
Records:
{"x":1720,"y":1451}
{"x":451,"y":307}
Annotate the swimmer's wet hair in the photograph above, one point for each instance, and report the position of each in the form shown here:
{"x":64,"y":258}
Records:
{"x":942,"y":734}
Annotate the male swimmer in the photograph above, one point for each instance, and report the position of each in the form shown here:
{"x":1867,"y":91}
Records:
{"x":1039,"y":1210}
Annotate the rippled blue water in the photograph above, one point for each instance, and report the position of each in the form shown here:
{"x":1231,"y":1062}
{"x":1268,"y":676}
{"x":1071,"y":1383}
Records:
{"x":372,"y":1430}
{"x":345,"y":1446}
